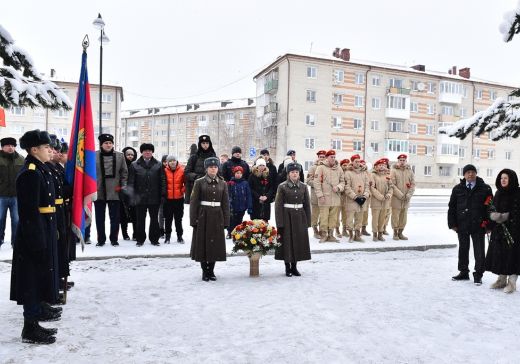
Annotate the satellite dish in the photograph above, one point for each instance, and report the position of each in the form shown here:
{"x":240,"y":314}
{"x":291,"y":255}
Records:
{"x":420,"y":86}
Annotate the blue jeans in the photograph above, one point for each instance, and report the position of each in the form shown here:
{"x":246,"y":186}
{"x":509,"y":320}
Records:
{"x":11,"y":204}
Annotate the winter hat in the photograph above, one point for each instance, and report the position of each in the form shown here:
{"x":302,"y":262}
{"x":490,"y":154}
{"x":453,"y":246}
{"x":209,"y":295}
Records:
{"x":321,"y":152}
{"x":291,"y":152}
{"x":354,"y":157}
{"x":404,"y":156}
{"x":260,"y":162}
{"x":163,"y":158}
{"x":468,"y":167}
{"x":211,"y":162}
{"x":126,"y":149}
{"x":204,"y":139}
{"x":171,"y":158}
{"x":55,"y":143}
{"x":105,"y":138}
{"x":8,"y":141}
{"x":264,"y":152}
{"x":329,"y":153}
{"x":34,"y":138}
{"x":64,"y":147}
{"x":293,"y":167}
{"x":238,"y":169}
{"x":236,"y":149}
{"x":146,"y":146}
{"x":344,"y":161}
{"x":378,"y":162}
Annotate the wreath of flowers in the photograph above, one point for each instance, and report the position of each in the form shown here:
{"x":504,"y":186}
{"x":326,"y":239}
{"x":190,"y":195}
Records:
{"x":254,"y":236}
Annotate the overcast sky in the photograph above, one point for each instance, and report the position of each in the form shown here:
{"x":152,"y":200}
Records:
{"x":173,"y":52}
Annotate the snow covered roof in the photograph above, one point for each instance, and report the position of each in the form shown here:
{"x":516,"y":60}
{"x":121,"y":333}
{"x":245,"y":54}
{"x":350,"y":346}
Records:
{"x":222,"y":105}
{"x":380,"y":65}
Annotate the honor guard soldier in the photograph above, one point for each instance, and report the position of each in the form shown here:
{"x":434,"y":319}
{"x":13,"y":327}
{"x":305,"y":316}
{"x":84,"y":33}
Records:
{"x":34,"y":275}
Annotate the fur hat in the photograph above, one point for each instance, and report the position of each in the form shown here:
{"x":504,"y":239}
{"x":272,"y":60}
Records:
{"x":55,"y":142}
{"x":264,"y":152}
{"x":204,"y":139}
{"x":8,"y":141}
{"x":105,"y":138}
{"x":291,"y":152}
{"x":260,"y":162}
{"x":236,"y":149}
{"x":468,"y":167}
{"x":354,"y":157}
{"x":34,"y":138}
{"x":293,"y":167}
{"x":238,"y":169}
{"x":64,"y":147}
{"x":163,"y":158}
{"x":146,"y":146}
{"x":211,"y":162}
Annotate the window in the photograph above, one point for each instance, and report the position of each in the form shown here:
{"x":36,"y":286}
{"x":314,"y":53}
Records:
{"x":339,"y":76}
{"x":396,"y":102}
{"x":492,"y":95}
{"x":39,"y":113}
{"x":104,"y":115}
{"x":415,"y":85}
{"x":358,"y":101}
{"x":172,"y":143}
{"x":357,"y":145}
{"x":462,"y":152}
{"x":61,"y":132}
{"x":431,"y":87}
{"x":358,"y":124}
{"x":338,"y":99}
{"x":412,"y":148}
{"x":376,"y":102}
{"x":374,"y":125}
{"x":395,"y":145}
{"x":429,"y":150}
{"x":203,"y":121}
{"x":412,"y":166}
{"x":508,"y":155}
{"x":360,"y":78}
{"x":18,"y":111}
{"x":308,"y":164}
{"x":396,"y":82}
{"x":17,"y":129}
{"x":489,"y":172}
{"x":430,"y":129}
{"x":450,"y":87}
{"x":336,"y":144}
{"x":430,"y":109}
{"x":164,"y":144}
{"x":412,"y":127}
{"x":444,"y":171}
{"x":427,"y":170}
{"x":309,"y":143}
{"x":164,"y":132}
{"x":106,"y":98}
{"x":462,"y":112}
{"x":310,"y":120}
{"x":64,"y":113}
{"x":510,"y":98}
{"x":311,"y":96}
{"x":447,"y":110}
{"x":230,"y":118}
{"x":336,"y":121}
{"x":375,"y":147}
{"x":376,"y":80}
{"x":459,"y":171}
{"x":395,"y":126}
{"x":491,"y":154}
{"x":449,"y":149}
{"x":476,"y":153}
{"x":478,"y":94}
{"x":312,"y":72}
{"x":414,"y":107}
{"x":464,"y":92}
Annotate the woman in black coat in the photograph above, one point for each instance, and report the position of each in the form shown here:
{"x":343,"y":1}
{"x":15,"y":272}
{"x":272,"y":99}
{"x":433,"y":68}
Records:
{"x":195,"y":166}
{"x":262,"y":190}
{"x":502,"y":258}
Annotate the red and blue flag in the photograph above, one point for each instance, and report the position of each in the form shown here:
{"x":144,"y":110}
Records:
{"x":80,"y":170}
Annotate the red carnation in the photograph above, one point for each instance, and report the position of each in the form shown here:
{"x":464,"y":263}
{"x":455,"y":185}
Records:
{"x":231,"y":183}
{"x":484,"y":224}
{"x":408,"y":185}
{"x":488,"y":200}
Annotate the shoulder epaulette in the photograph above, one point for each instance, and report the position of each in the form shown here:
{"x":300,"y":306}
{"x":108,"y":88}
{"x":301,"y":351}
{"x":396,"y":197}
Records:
{"x":32,"y":166}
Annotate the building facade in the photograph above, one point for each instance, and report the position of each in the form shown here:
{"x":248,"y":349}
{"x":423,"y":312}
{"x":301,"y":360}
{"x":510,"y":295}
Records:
{"x":307,"y":103}
{"x":59,"y":122}
{"x":172,"y":130}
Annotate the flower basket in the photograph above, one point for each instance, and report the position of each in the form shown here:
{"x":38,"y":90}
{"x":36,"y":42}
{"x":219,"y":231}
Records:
{"x":256,"y":238}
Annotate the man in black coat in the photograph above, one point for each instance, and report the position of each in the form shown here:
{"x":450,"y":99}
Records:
{"x":282,"y":172}
{"x":34,"y":274}
{"x":144,"y":187}
{"x":235,"y":161}
{"x":273,"y":173}
{"x":466,"y":213}
{"x":195,"y":167}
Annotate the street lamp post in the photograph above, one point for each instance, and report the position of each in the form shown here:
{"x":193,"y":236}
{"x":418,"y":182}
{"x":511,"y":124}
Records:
{"x":100,"y":24}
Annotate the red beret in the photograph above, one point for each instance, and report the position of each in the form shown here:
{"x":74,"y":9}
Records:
{"x":362,"y":161}
{"x":354,"y":157}
{"x":321,"y":152}
{"x":385,"y":160}
{"x":380,"y":161}
{"x":402,"y":156}
{"x":330,"y":152}
{"x":344,"y":161}
{"x":238,"y":169}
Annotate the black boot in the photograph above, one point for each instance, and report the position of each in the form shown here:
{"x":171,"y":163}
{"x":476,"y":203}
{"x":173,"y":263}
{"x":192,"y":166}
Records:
{"x":32,"y":334}
{"x":288,"y":270}
{"x":294,"y":270}
{"x":46,"y":306}
{"x":211,"y":274}
{"x":124,"y":231}
{"x":180,"y":240}
{"x":167,"y":239}
{"x":205,"y":276}
{"x":48,"y":331}
{"x":462,"y":276}
{"x":161,"y":233}
{"x":47,"y":315}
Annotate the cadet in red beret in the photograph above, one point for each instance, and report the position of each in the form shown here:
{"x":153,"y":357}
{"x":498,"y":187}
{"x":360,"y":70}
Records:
{"x":354,"y":157}
{"x":403,"y":180}
{"x":315,"y":209}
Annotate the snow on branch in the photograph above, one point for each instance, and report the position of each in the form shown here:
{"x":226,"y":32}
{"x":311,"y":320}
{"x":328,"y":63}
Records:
{"x":511,"y":24}
{"x":503,"y":118}
{"x":20,"y":81}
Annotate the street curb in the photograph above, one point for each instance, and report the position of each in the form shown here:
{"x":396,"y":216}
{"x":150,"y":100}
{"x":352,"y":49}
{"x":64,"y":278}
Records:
{"x":320,"y":251}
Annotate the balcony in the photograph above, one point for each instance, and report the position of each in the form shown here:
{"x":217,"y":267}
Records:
{"x":270,"y":120}
{"x":450,"y":98}
{"x":271,"y":86}
{"x":398,"y":91}
{"x":400,"y":135}
{"x":392,"y":113}
{"x":397,"y":105}
{"x":450,"y":92}
{"x":447,"y":150}
{"x":448,"y":118}
{"x":446,"y":159}
{"x":271,"y":108}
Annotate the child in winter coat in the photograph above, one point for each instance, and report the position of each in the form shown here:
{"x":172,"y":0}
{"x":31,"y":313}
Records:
{"x":239,"y":199}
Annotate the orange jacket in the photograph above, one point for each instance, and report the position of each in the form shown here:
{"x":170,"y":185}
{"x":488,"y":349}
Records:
{"x":174,"y":183}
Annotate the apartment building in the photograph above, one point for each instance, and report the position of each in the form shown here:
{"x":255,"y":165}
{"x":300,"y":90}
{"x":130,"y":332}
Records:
{"x":173,"y":129}
{"x":59,"y":122}
{"x":309,"y":103}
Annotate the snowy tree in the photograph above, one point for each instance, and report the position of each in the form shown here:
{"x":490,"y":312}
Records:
{"x":503,"y":117}
{"x":20,"y":82}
